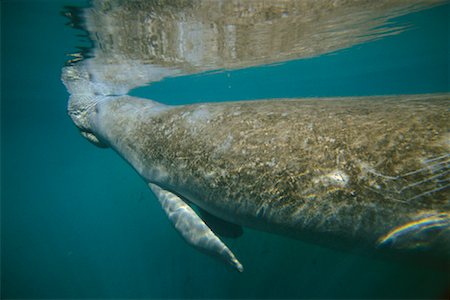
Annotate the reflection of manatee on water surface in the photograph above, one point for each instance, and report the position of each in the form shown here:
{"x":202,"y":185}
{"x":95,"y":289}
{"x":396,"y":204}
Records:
{"x":139,"y":41}
{"x":366,"y":173}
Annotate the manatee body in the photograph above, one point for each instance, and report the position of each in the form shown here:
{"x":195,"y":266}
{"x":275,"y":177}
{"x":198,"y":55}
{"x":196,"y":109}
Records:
{"x":370,"y":173}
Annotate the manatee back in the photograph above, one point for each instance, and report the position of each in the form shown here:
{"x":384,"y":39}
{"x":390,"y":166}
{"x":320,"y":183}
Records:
{"x":372,"y":169}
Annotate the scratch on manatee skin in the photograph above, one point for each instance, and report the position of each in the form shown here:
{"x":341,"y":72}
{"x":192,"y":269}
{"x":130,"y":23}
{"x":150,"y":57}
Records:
{"x":427,"y":193}
{"x":435,"y":174}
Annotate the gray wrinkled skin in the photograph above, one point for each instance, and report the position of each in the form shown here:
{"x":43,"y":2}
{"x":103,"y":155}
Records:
{"x":366,"y":172}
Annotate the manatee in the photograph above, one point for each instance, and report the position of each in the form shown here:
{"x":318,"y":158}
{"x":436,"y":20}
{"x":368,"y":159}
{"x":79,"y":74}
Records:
{"x":350,"y":173}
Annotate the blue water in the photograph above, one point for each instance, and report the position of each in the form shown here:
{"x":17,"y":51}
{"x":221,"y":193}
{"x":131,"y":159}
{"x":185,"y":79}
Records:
{"x":78,"y":222}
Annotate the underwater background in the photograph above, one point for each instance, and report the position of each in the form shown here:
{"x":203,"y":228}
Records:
{"x":78,"y":222}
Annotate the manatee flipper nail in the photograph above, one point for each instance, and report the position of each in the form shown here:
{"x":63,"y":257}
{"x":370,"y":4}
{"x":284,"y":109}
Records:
{"x":192,"y":228}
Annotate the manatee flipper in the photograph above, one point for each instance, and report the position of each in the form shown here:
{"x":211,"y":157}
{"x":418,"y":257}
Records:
{"x":220,"y":226}
{"x":192,"y":228}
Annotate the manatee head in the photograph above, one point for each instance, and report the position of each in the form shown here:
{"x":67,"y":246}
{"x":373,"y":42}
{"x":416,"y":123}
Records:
{"x":83,"y":100}
{"x":81,"y":109}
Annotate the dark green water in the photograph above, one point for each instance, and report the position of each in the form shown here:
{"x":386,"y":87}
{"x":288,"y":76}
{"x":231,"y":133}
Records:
{"x":78,"y":222}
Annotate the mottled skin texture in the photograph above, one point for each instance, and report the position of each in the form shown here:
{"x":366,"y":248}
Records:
{"x":341,"y":172}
